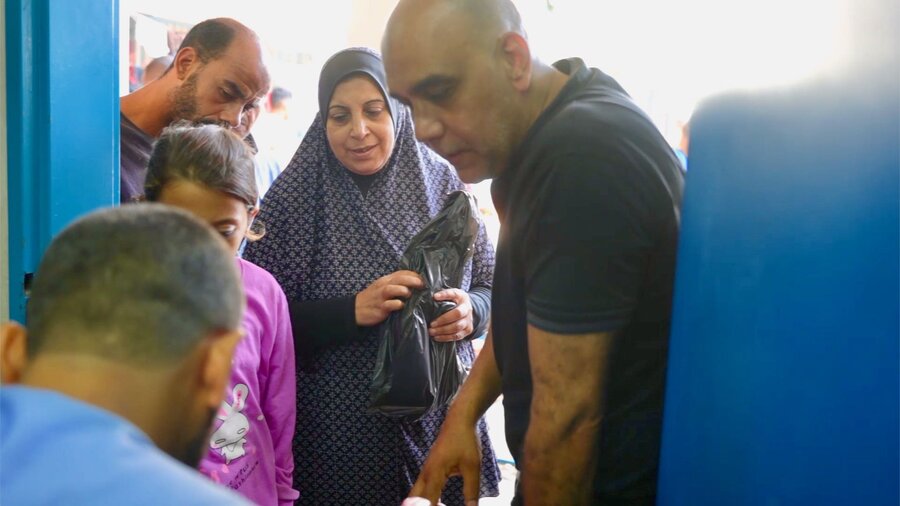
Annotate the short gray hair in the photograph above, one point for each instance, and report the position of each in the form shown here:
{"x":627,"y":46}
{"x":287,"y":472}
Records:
{"x":142,"y":284}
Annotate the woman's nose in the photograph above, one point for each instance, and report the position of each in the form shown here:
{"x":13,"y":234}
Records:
{"x":359,"y":129}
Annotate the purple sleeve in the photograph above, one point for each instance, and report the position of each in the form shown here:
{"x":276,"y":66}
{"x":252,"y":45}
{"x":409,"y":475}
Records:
{"x":281,"y":400}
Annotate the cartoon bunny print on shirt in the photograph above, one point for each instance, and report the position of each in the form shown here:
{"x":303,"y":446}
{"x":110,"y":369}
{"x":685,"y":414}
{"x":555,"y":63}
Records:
{"x":230,"y":437}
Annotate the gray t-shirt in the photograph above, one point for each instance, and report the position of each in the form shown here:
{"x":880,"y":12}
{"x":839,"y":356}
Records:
{"x":135,"y":148}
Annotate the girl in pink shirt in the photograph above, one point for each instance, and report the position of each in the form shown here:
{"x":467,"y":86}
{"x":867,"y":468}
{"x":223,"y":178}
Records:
{"x":208,"y":171}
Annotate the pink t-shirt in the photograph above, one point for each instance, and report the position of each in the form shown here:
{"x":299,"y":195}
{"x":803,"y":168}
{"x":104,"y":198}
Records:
{"x":250,"y":448}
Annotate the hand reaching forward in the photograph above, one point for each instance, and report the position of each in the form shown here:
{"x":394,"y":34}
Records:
{"x":456,"y":452}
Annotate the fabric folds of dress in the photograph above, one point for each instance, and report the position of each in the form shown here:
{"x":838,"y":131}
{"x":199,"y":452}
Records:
{"x":325,"y":240}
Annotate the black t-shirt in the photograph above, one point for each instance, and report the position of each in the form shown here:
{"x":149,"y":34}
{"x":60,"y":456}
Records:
{"x":589,"y":207}
{"x":135,"y":147}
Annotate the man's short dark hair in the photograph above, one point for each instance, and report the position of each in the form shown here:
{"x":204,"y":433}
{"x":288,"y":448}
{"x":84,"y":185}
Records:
{"x":141,"y":284}
{"x":209,"y":38}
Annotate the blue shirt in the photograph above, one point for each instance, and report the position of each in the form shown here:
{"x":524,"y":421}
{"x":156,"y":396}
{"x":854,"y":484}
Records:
{"x":58,"y":450}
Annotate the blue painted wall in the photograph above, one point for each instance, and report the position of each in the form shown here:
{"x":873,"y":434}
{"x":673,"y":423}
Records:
{"x":63,"y":122}
{"x":783,"y":370}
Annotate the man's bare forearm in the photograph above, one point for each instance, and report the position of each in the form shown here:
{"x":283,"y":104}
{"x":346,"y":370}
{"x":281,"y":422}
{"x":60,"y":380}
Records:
{"x":480,"y":389}
{"x":559,"y":462}
{"x":569,"y":382}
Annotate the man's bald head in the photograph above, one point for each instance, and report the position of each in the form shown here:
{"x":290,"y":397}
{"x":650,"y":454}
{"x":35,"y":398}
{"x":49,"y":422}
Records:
{"x":220,"y":74}
{"x":479,"y":20}
{"x":465,"y":69}
{"x":212,"y":37}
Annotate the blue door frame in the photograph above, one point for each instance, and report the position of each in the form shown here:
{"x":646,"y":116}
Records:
{"x":783,"y":363}
{"x":63,"y":123}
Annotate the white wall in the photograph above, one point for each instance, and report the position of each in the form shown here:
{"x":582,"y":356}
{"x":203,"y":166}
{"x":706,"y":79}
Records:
{"x":367,"y":22}
{"x":4,"y":200}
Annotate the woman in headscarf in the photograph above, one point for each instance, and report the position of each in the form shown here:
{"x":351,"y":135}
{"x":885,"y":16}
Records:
{"x":338,"y":220}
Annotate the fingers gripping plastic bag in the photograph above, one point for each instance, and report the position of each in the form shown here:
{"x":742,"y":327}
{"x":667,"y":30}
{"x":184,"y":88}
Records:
{"x":414,"y":374}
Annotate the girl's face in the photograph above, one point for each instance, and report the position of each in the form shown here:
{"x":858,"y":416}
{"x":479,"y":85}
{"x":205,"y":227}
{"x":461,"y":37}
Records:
{"x":228,"y":215}
{"x":359,"y":127}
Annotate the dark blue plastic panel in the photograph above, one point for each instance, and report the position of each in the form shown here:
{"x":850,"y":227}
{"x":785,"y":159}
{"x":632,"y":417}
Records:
{"x":783,"y":370}
{"x":63,"y":122}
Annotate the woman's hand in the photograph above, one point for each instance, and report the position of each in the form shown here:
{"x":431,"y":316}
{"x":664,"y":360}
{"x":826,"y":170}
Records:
{"x":457,"y":323}
{"x":383,"y":297}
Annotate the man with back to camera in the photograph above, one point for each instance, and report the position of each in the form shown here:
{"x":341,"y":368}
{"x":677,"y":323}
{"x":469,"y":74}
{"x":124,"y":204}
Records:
{"x":588,"y":193}
{"x":217,"y":75}
{"x":133,"y":318}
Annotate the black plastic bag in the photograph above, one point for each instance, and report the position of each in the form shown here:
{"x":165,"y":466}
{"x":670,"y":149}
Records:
{"x":414,"y":374}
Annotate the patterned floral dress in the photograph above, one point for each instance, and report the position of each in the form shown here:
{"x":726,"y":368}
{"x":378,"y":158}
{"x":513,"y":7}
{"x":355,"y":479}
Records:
{"x":325,"y":239}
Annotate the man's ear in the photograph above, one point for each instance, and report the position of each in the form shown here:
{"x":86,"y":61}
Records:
{"x":185,"y":60}
{"x":216,"y":353}
{"x":516,"y":56}
{"x":13,"y":358}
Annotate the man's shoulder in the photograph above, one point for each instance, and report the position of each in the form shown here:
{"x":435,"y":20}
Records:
{"x":599,"y":131}
{"x":151,"y":476}
{"x":594,"y":120}
{"x":131,"y":134}
{"x":167,"y":481}
{"x":90,"y":455}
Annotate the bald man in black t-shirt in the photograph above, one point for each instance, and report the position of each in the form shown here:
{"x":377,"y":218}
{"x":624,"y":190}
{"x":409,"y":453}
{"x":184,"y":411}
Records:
{"x":588,"y":194}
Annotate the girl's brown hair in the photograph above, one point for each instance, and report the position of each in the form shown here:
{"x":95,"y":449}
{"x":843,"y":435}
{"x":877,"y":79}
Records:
{"x":208,"y":155}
